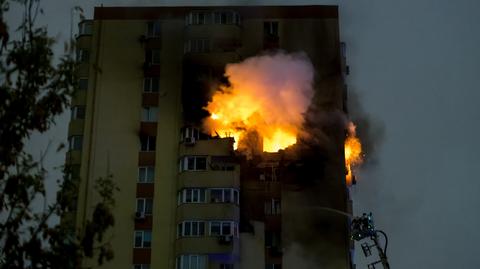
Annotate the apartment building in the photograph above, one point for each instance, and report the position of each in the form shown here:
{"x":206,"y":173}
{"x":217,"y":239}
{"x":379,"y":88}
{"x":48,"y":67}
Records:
{"x":187,"y":199}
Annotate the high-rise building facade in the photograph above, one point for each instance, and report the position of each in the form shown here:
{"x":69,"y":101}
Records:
{"x":186,"y":199}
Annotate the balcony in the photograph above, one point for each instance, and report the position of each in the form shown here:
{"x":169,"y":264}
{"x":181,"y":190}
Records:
{"x":221,"y":211}
{"x":205,"y":245}
{"x":211,"y":147}
{"x":209,"y":179}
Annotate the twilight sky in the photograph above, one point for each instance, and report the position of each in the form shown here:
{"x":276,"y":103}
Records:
{"x":415,"y":68}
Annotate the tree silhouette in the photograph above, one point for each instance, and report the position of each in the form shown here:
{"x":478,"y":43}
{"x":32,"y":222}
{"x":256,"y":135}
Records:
{"x":33,"y":90}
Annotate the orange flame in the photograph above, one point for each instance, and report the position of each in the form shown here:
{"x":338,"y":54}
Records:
{"x":267,"y":96}
{"x":353,"y":152}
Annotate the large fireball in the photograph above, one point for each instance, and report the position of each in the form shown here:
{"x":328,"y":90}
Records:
{"x":267,"y":95}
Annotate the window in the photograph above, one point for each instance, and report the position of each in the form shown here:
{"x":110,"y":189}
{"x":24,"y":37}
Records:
{"x":273,"y":266}
{"x":83,"y":84}
{"x":223,"y":228}
{"x":144,"y":206}
{"x":217,"y":17}
{"x":226,"y":266}
{"x":73,"y":171}
{"x":193,"y":163}
{"x":270,"y":28}
{"x":191,"y":196}
{"x":272,"y":207}
{"x":224,"y":196}
{"x":192,"y":262}
{"x":150,"y":114}
{"x":141,"y":266}
{"x":143,"y":239}
{"x":188,"y":132}
{"x":226,"y":17}
{"x":146,"y":174}
{"x":85,"y":28}
{"x":191,"y":228}
{"x":197,"y":46}
{"x":272,"y":239}
{"x":152,"y":57}
{"x":147,"y":143}
{"x":151,"y":84}
{"x":83,"y":55}
{"x":75,"y":142}
{"x":78,"y":112}
{"x":153,"y":29}
{"x":199,"y":17}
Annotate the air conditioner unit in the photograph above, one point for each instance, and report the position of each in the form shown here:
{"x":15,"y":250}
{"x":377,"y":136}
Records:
{"x":190,"y":141}
{"x":140,"y":215}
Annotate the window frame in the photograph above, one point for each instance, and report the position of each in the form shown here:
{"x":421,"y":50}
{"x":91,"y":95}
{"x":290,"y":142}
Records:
{"x":75,"y":142}
{"x":147,"y":169}
{"x":80,"y":80}
{"x":198,"y":45}
{"x":150,"y":56}
{"x":271,"y":30}
{"x":75,"y":115}
{"x":234,"y":195}
{"x":148,"y":85}
{"x":185,"y":163}
{"x":150,"y":114}
{"x":189,"y":132}
{"x":83,"y":55}
{"x":85,"y":27}
{"x":184,"y":194}
{"x":151,"y":143}
{"x":143,"y":239}
{"x":196,"y":228}
{"x":144,"y":201}
{"x":156,"y":29}
{"x":273,"y":207}
{"x":233,"y":230}
{"x":201,"y":261}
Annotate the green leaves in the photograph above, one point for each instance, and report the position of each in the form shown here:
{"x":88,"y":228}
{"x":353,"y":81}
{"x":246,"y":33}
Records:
{"x":33,"y":91}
